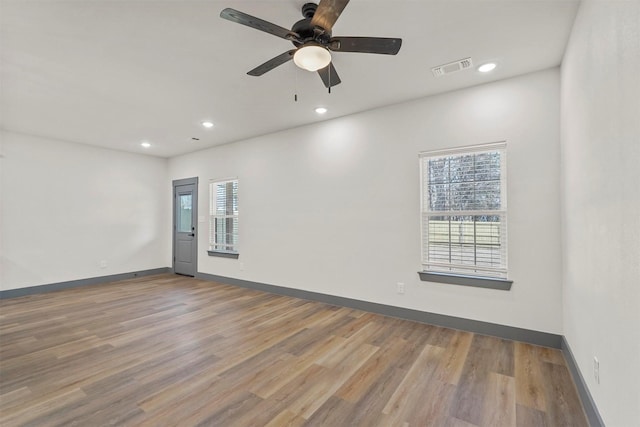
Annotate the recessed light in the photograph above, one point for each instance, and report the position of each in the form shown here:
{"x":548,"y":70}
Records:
{"x":207,"y":124}
{"x":321,"y":110}
{"x":485,"y":68}
{"x":145,"y":144}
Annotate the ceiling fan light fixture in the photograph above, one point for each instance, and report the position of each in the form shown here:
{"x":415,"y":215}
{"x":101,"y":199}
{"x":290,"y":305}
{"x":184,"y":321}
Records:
{"x":312,"y":57}
{"x":313,"y":40}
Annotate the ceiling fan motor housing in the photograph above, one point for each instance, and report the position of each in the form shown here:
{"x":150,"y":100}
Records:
{"x":308,"y":32}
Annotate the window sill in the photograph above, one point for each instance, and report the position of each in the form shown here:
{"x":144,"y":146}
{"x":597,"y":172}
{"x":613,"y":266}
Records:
{"x":458,"y":279}
{"x":223,"y":254}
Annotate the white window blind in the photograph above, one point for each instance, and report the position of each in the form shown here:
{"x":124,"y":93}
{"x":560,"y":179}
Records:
{"x":464,"y":211}
{"x":223,"y":216}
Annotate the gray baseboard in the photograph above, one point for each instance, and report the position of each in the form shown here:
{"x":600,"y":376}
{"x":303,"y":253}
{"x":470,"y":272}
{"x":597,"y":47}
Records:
{"x":484,"y":328}
{"x":32,"y":290}
{"x":590,"y":408}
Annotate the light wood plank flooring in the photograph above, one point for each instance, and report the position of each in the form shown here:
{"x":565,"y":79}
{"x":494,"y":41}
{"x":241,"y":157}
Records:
{"x":169,"y":350}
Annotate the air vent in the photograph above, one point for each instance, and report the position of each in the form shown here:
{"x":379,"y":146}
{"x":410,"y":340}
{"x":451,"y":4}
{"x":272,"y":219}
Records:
{"x":452,"y":67}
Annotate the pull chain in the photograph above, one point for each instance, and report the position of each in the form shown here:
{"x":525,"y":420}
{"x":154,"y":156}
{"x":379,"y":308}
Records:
{"x":295,"y":96}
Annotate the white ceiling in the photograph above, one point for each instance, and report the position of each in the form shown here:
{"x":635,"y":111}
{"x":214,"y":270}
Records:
{"x":112,"y":73}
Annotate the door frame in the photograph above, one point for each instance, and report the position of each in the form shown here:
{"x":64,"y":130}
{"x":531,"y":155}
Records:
{"x":194,"y":205}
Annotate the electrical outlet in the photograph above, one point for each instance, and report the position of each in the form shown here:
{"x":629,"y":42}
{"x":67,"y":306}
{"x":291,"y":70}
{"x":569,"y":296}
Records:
{"x":103,"y":264}
{"x":400,"y":287}
{"x":596,"y":369}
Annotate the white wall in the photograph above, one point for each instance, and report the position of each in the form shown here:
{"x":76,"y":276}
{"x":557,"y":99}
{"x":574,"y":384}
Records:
{"x":66,"y":207}
{"x":601,"y":203}
{"x":334,"y":207}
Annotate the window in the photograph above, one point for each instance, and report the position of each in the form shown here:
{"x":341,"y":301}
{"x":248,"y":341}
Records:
{"x":223,"y":219}
{"x":464,"y":211}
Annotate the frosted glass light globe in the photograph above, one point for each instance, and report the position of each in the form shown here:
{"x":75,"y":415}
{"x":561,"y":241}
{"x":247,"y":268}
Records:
{"x":312,"y":57}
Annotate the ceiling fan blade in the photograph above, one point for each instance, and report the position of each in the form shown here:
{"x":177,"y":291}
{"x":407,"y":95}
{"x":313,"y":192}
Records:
{"x":329,"y":76}
{"x":382,"y":45}
{"x":327,"y":13}
{"x":272,"y":63}
{"x":257,"y":23}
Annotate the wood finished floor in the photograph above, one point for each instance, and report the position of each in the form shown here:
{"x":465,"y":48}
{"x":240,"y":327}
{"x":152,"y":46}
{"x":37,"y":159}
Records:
{"x":169,"y":350}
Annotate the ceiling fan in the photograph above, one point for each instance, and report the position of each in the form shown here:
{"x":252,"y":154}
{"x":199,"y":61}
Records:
{"x":313,"y":41}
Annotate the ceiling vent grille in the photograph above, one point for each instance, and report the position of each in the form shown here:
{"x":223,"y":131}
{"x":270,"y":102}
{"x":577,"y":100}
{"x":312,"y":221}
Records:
{"x":452,"y":67}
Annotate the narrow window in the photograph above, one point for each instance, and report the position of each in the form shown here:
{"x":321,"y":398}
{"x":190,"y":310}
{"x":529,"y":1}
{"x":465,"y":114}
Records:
{"x":464,"y":211}
{"x":223,"y":218}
